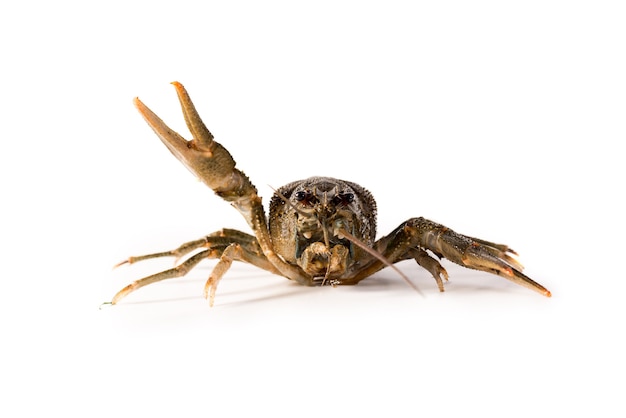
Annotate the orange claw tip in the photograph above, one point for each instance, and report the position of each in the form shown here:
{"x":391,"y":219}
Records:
{"x":543,"y":291}
{"x":139,"y":105}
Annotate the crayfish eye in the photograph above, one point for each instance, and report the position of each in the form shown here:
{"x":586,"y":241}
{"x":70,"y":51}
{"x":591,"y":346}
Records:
{"x":343,"y":199}
{"x":305,"y":197}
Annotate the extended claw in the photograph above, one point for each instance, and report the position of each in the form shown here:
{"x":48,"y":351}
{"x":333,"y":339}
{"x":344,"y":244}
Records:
{"x":482,"y":256}
{"x":469,"y":252}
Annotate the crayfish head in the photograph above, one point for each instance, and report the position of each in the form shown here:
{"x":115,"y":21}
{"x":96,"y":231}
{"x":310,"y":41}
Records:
{"x":312,"y":219}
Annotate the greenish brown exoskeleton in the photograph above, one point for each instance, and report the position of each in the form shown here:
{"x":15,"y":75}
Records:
{"x":319,"y":231}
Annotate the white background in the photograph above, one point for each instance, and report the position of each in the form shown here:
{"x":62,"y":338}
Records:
{"x":501,"y":121}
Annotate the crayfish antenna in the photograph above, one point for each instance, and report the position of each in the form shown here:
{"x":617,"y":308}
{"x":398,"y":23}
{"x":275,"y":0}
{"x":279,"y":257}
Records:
{"x":288,"y":202}
{"x":344,"y":234}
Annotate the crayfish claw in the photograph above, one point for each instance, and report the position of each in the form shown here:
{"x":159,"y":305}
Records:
{"x":466,"y":251}
{"x":196,"y":126}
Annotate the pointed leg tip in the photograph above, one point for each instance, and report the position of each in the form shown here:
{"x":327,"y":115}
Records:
{"x":209,"y":298}
{"x":121,"y":263}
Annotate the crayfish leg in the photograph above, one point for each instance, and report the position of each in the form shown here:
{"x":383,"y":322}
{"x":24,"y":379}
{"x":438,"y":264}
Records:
{"x":178,"y":252}
{"x":178,"y":271}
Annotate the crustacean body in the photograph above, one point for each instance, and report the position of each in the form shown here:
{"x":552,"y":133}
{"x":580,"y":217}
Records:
{"x":320,"y":230}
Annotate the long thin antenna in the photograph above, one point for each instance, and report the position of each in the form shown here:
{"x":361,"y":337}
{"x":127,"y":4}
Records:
{"x":288,"y":202}
{"x":343,"y":234}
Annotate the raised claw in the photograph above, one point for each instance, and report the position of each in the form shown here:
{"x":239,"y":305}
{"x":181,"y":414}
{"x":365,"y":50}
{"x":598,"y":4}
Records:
{"x":212,"y":164}
{"x":204,"y":157}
